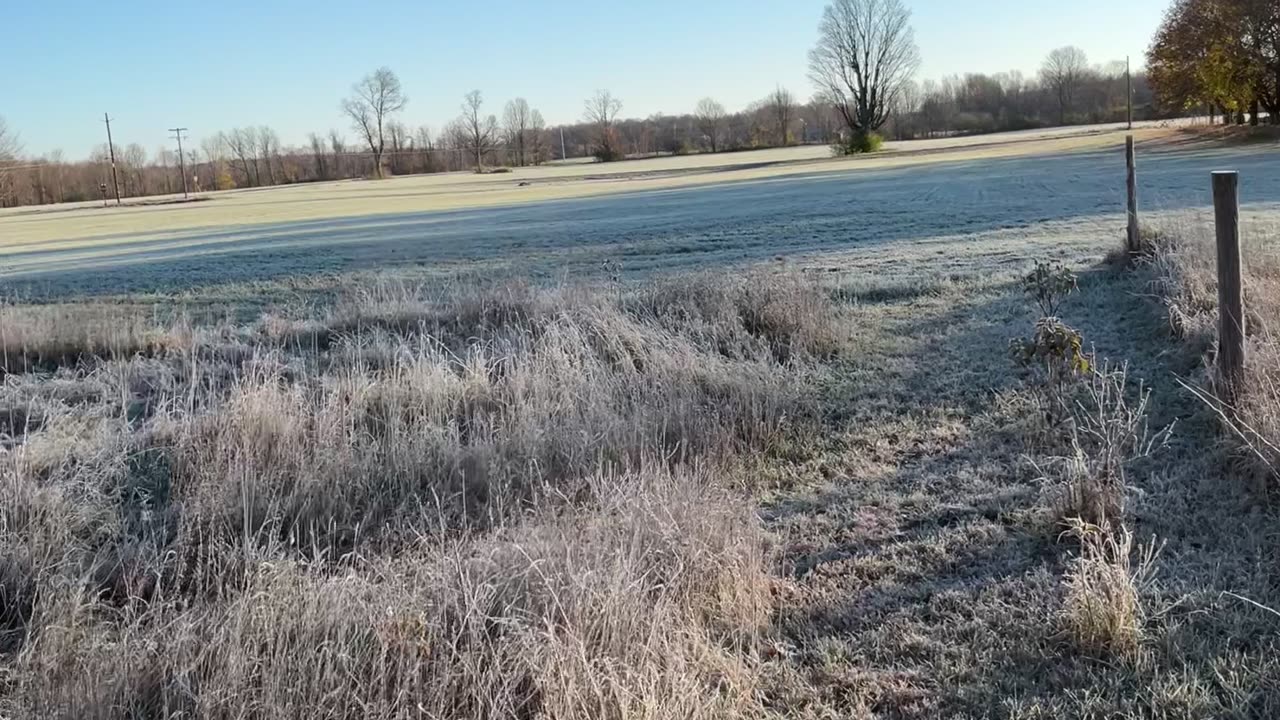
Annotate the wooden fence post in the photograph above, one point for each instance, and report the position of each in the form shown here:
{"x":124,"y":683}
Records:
{"x":1226,"y":206}
{"x":1135,"y":243}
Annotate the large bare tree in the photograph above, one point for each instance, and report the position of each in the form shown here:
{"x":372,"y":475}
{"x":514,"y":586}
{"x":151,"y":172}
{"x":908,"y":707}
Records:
{"x":1063,"y":72}
{"x":602,"y":112}
{"x":866,"y":50}
{"x":479,"y":130}
{"x":373,"y":101}
{"x":710,"y":116}
{"x":515,"y":120}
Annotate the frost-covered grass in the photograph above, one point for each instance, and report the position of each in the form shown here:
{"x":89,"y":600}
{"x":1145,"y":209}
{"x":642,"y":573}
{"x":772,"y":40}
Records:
{"x":89,"y":226}
{"x":420,"y":502}
{"x":1186,"y":263}
{"x":818,"y":492}
{"x":820,"y":495}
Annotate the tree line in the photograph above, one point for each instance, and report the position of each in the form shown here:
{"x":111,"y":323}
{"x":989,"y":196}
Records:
{"x":476,"y":140}
{"x":1068,"y":90}
{"x":863,"y":66}
{"x":1221,"y":55}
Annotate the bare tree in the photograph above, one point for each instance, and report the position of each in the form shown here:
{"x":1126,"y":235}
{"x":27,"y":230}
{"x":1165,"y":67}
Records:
{"x":538,"y":138}
{"x":338,"y":146}
{"x":399,"y":138}
{"x":602,"y":113}
{"x":425,"y":146}
{"x":58,"y":163}
{"x":166,"y":157}
{"x":905,"y":109}
{"x":1063,"y":72}
{"x":319,"y":157}
{"x":866,"y":51}
{"x":710,"y":116}
{"x":134,"y":159}
{"x":241,"y":142}
{"x":374,"y":100}
{"x":268,"y":144}
{"x":782,"y":108}
{"x":515,"y":120}
{"x":9,"y":146}
{"x":9,"y":149}
{"x":480,"y":130}
{"x":215,"y":154}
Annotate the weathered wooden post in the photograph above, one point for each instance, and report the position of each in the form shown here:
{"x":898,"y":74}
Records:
{"x":1226,"y":206}
{"x":1131,"y":160}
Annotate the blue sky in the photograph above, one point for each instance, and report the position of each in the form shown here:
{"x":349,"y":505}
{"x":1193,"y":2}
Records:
{"x":287,"y":63}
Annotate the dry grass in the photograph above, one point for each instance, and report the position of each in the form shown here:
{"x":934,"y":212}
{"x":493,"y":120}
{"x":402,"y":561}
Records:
{"x":1104,"y":612}
{"x":53,"y":336}
{"x":501,"y":502}
{"x":1186,"y":267}
{"x":1109,"y":432}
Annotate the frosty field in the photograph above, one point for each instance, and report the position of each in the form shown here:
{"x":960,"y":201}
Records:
{"x":1065,"y":189}
{"x":758,"y":449}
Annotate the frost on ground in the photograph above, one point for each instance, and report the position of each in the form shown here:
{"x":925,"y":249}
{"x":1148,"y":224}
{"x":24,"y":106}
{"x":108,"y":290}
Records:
{"x":821,"y":489}
{"x":1064,"y":198}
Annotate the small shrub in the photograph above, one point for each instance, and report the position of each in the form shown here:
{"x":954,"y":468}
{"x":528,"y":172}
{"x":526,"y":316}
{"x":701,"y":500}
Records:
{"x":858,"y":143}
{"x":1055,"y":346}
{"x":1048,"y":285}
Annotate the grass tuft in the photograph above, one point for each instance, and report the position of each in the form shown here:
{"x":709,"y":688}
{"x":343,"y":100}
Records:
{"x":1104,"y":614}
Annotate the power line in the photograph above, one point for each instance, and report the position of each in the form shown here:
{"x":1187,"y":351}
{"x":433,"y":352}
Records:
{"x":111,"y":148}
{"x":182,"y":159}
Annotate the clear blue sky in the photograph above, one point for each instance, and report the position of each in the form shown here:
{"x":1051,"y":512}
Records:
{"x":287,"y":63}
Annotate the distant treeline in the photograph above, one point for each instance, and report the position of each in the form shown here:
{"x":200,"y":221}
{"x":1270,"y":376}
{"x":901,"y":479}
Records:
{"x":1067,"y":91}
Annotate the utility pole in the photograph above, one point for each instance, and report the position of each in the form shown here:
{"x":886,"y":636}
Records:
{"x":182,"y":159}
{"x":563,"y":154}
{"x":1128,"y":83}
{"x":111,"y":148}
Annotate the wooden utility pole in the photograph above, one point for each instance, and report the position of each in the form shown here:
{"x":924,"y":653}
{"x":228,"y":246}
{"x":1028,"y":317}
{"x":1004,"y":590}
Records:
{"x":1131,"y":161}
{"x":1226,"y":206}
{"x":111,"y":150}
{"x":182,"y":159}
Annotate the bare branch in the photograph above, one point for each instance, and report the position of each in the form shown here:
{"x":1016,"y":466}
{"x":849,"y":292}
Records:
{"x":373,"y":101}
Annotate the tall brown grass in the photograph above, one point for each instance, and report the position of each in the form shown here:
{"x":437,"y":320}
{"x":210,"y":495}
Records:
{"x":493,"y":502}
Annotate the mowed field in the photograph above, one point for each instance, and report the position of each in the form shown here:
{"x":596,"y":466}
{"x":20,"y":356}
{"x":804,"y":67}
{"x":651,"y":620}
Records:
{"x":639,"y":216}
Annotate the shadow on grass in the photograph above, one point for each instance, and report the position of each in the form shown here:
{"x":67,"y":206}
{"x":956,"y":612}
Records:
{"x":927,"y":578}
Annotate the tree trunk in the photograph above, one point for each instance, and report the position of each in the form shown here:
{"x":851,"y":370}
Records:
{"x":1254,"y":109}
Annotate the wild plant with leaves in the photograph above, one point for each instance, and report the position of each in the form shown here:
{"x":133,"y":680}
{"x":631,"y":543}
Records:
{"x":1054,"y":347}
